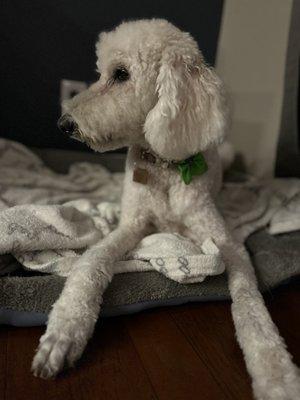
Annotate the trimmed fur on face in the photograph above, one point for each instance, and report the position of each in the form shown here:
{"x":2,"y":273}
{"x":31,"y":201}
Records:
{"x":173,"y":102}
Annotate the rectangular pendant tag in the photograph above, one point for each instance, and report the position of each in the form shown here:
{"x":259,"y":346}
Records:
{"x":140,"y":175}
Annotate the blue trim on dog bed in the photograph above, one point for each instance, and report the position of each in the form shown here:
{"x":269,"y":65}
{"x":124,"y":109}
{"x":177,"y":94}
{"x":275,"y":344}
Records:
{"x":31,"y":318}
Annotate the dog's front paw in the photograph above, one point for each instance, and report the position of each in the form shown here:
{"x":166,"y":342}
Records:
{"x":55,"y":351}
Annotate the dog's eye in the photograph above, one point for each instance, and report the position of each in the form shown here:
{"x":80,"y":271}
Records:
{"x":121,"y":74}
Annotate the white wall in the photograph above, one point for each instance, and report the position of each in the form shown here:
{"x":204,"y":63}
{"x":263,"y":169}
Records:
{"x":251,"y":61}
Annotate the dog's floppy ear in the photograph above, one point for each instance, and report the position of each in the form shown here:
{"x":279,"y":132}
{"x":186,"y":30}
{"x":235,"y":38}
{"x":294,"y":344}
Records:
{"x":190,"y":114}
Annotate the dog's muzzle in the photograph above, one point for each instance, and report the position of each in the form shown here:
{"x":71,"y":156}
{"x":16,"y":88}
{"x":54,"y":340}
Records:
{"x":67,"y":124}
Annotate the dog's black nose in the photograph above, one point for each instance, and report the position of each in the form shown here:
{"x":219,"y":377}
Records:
{"x":67,"y":124}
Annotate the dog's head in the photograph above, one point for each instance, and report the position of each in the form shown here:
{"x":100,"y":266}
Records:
{"x":154,"y":90}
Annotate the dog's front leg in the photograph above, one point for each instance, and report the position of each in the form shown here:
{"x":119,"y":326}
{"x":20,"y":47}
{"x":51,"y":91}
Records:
{"x":274,"y":375}
{"x":72,"y":319}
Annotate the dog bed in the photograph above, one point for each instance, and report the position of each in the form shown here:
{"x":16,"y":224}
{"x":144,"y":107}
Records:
{"x":26,"y":299}
{"x":26,"y":296}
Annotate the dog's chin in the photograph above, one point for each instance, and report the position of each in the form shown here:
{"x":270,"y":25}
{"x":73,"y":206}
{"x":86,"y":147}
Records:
{"x":102,"y":147}
{"x":100,"y":144}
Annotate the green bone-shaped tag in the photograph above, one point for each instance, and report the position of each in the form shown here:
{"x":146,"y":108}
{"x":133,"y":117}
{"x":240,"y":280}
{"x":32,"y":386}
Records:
{"x":195,"y":165}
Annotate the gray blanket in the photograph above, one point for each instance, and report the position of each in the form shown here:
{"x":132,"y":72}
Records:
{"x":276,"y":260}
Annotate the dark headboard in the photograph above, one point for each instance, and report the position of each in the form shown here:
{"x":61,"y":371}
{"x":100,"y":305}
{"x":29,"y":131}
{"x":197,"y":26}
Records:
{"x":43,"y":42}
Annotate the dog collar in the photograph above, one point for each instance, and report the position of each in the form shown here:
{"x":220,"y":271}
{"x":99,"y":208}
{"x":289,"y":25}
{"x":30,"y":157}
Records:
{"x":188,"y":168}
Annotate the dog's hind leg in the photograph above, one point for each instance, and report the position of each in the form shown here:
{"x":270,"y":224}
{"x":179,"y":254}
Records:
{"x":274,"y":376}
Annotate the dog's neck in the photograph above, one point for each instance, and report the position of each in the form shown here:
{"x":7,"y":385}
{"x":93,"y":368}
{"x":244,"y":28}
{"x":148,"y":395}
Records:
{"x":191,"y":166}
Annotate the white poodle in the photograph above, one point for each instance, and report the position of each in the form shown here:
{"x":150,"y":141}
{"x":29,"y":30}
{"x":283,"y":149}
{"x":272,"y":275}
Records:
{"x":157,"y":96}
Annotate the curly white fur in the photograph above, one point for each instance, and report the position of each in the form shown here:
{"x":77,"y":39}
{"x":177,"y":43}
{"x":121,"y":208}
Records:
{"x":173,"y":104}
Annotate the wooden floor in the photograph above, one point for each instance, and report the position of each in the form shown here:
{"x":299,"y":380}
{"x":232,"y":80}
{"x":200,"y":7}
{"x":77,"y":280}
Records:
{"x":186,"y":352}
